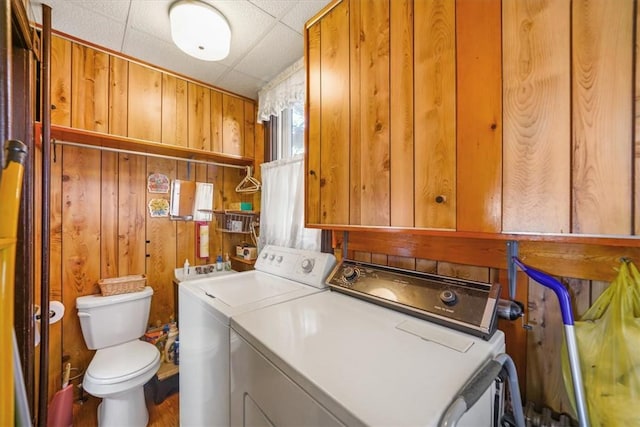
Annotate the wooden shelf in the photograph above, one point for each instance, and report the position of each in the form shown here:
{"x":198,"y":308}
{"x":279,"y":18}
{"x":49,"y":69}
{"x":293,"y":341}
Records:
{"x":243,"y":261}
{"x":99,"y":139}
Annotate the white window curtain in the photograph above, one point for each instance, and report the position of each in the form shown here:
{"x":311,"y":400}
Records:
{"x":282,"y":206}
{"x":285,"y":90}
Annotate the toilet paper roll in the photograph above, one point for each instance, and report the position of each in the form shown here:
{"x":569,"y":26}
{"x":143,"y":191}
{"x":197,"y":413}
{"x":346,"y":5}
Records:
{"x":56,"y":312}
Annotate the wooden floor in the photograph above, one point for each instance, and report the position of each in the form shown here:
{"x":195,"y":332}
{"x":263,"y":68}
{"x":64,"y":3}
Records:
{"x":166,"y":414}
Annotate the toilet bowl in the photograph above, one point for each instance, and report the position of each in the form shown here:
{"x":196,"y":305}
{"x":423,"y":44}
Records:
{"x":122,"y":363}
{"x":117,"y":375}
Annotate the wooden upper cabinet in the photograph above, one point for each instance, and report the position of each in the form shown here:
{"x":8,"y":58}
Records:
{"x":145,"y":103}
{"x":89,"y":88}
{"x":233,"y":125}
{"x":199,"y":113}
{"x":96,"y":91}
{"x":328,"y":139}
{"x":60,"y":81}
{"x":474,"y":116}
{"x":382,"y":150}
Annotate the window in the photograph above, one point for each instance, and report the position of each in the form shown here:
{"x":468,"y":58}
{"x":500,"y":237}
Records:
{"x":289,"y":139}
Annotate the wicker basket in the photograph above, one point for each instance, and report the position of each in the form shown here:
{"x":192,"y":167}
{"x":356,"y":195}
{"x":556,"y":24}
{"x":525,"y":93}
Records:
{"x":122,"y":285}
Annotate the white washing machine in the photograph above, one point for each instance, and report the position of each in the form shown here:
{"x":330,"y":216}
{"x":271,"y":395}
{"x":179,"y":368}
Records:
{"x":206,"y":306}
{"x":332,"y":359}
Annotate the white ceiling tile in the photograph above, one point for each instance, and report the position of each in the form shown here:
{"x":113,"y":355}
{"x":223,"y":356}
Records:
{"x":241,"y":84}
{"x":248,"y":24}
{"x":151,"y":16}
{"x":117,"y":10}
{"x":69,"y":18}
{"x":302,"y":12}
{"x":167,"y":56}
{"x":264,"y":62}
{"x":275,"y":8}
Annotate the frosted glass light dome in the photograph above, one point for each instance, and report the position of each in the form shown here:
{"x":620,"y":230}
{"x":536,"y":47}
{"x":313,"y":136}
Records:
{"x":200,"y":30}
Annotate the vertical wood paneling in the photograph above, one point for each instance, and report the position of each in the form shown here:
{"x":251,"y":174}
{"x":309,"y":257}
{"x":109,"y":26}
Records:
{"x":401,"y":110}
{"x":182,"y":116}
{"x":161,"y":248}
{"x":199,"y":110}
{"x":55,"y":261}
{"x":89,"y":88}
{"x":232,"y":125}
{"x":80,"y":241}
{"x":536,"y":116}
{"x":118,"y":95}
{"x":374,"y":113}
{"x":313,"y":119}
{"x":249,"y":129}
{"x":131,"y":214}
{"x":174,"y":111}
{"x":169,"y":107}
{"x":145,"y":103}
{"x":543,"y":350}
{"x":109,"y":258}
{"x":61,"y":99}
{"x":118,"y":125}
{"x":468,"y":272}
{"x":402,"y":262}
{"x":216,"y":121}
{"x":258,"y":160}
{"x":215,"y":176}
{"x":355,"y":128}
{"x":479,"y":120}
{"x":334,"y":128}
{"x":636,"y":182}
{"x":602,"y":54}
{"x":435,"y":115}
{"x":185,"y":230}
{"x":61,"y":81}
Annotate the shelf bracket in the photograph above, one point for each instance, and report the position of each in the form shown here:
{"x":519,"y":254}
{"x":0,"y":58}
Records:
{"x":512,"y":252}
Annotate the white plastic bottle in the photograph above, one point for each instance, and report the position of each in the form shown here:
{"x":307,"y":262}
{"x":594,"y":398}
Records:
{"x":219,"y":263}
{"x":185,"y":268}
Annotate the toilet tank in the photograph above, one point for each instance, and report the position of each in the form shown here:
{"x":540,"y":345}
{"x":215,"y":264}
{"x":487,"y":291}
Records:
{"x":111,"y":320}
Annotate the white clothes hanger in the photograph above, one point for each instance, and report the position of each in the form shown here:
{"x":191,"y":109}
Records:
{"x":248,"y":184}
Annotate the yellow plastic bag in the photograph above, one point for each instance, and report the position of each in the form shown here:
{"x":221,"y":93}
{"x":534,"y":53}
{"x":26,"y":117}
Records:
{"x":608,"y":337}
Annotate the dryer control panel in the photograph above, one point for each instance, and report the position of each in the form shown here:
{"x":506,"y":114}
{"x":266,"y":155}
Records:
{"x":461,"y":304}
{"x":308,"y":267}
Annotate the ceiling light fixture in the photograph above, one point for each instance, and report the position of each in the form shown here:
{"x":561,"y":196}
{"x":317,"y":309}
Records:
{"x":200,"y":30}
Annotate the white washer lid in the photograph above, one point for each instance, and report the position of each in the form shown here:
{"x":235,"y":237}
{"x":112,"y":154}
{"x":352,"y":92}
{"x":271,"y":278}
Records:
{"x":122,"y":362}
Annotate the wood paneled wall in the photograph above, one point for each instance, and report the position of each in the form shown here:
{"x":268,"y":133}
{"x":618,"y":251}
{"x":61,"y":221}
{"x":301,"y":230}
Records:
{"x":100,"y":220}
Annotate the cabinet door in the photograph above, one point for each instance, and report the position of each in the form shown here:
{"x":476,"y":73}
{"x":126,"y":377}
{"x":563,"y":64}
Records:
{"x":328,"y":109}
{"x":435,"y":115}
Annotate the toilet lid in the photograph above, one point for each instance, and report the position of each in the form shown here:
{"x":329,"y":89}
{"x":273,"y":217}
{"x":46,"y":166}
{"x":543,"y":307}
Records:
{"x":121,"y":362}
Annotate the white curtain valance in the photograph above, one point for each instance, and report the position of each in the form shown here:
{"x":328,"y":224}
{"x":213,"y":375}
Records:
{"x":286,"y":89}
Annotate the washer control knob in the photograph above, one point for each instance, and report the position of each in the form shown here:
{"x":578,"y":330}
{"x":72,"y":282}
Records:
{"x":279,"y":259}
{"x":349,"y":274}
{"x":448,"y":297}
{"x":271,"y":257}
{"x":264,"y":255}
{"x":307,"y":265}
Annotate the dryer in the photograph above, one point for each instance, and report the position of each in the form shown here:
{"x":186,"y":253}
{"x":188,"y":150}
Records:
{"x":397,"y":354}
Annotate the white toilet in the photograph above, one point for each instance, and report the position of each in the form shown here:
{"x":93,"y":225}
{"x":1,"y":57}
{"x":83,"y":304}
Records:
{"x":123,"y":364}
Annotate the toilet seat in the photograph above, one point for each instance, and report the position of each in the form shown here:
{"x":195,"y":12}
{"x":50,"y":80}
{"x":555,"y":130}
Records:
{"x":122,"y":362}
